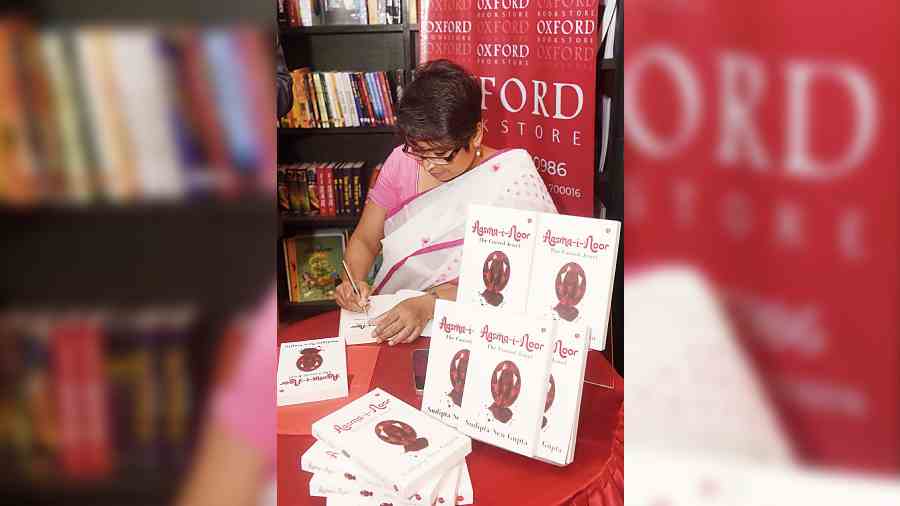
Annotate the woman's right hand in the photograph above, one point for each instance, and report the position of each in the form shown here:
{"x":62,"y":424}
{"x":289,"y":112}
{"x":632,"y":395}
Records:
{"x":347,"y":299}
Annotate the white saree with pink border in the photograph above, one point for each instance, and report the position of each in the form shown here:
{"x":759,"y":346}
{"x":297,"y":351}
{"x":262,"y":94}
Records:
{"x":423,"y":239}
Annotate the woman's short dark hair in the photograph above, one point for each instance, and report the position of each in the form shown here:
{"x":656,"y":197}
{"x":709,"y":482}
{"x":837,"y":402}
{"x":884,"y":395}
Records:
{"x":440,"y":107}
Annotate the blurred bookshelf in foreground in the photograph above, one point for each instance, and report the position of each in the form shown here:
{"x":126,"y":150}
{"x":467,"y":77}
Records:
{"x":92,"y":395}
{"x":124,"y":115}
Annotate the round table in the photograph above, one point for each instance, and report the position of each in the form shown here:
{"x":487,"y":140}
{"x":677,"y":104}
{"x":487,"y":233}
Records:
{"x":499,"y":477}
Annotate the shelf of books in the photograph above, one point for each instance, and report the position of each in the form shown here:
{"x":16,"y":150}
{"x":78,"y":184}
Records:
{"x":322,"y":16}
{"x":337,"y":131}
{"x":344,"y":100}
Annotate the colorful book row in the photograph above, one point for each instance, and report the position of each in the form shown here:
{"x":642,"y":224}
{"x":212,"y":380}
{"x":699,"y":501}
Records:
{"x":97,"y":396}
{"x":126,"y":114}
{"x":322,"y":188}
{"x":343,"y":99}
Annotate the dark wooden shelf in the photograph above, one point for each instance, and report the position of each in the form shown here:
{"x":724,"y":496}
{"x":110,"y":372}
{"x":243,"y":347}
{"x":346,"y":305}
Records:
{"x":320,"y":221}
{"x":338,"y":131}
{"x":341,"y":29}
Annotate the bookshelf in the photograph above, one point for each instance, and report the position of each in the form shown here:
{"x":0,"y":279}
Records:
{"x":355,"y":48}
{"x":210,"y":253}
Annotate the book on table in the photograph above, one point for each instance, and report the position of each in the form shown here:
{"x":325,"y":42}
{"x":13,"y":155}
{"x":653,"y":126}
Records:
{"x":311,"y":371}
{"x":392,"y":441}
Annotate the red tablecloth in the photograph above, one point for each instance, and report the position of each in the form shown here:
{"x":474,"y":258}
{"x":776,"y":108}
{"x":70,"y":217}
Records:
{"x":500,"y":478}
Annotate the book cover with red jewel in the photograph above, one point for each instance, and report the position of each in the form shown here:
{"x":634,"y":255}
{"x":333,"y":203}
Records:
{"x":573,"y":271}
{"x":393,"y":441}
{"x":497,"y":253}
{"x":448,"y":361}
{"x":506,"y":382}
{"x":312,"y":371}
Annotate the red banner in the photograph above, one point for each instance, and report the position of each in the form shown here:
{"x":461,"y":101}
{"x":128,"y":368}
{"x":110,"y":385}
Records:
{"x":536,"y":60}
{"x":761,"y":147}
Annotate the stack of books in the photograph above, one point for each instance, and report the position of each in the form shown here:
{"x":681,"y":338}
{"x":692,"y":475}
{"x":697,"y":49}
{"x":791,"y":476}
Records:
{"x":379,"y":450}
{"x":507,"y":361}
{"x":343,"y":99}
{"x":507,"y":379}
{"x":322,"y":188}
{"x":125,"y":114}
{"x":297,"y":13}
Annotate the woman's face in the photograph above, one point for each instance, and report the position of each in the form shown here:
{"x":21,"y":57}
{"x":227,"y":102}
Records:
{"x":461,"y":161}
{"x":445,"y":164}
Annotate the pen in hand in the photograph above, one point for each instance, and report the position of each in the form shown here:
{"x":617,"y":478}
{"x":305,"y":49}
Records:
{"x":355,"y":288}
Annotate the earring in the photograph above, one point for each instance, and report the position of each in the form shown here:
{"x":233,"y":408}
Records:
{"x":478,"y":152}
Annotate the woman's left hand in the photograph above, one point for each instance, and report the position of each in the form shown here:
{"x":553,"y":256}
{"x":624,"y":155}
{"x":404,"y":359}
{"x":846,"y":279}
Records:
{"x":405,"y":322}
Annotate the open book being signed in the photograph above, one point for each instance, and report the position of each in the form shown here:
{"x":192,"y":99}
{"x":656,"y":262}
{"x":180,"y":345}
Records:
{"x":357,"y":328}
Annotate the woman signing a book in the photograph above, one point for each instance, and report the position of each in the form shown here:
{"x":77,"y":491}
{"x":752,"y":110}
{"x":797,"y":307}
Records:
{"x":415,"y":214}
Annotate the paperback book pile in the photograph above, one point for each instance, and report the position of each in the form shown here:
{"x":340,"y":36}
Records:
{"x":548,"y":265}
{"x":507,"y":379}
{"x":312,"y":371}
{"x":378,"y":450}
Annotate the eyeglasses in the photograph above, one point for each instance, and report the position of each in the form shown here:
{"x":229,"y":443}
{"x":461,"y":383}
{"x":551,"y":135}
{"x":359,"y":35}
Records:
{"x":433,"y":160}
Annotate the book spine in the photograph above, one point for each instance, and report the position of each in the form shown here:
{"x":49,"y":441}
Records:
{"x":346,"y":189}
{"x":362,"y":12}
{"x":335,"y":99}
{"x":293,"y":13}
{"x":306,"y":114}
{"x":338,"y":96}
{"x":312,"y":188}
{"x":347,"y":94}
{"x":339,"y":205}
{"x":376,"y":101}
{"x":372,"y":8}
{"x":338,"y":188}
{"x":357,"y":190}
{"x":302,"y":188}
{"x":96,"y":420}
{"x":382,"y":99}
{"x":322,"y":181}
{"x":353,"y":99}
{"x":385,"y":91}
{"x":313,"y":99}
{"x":329,"y":171}
{"x":207,"y":116}
{"x":364,"y":96}
{"x":346,"y":102}
{"x":305,"y":9}
{"x":324,"y":106}
{"x":338,"y":117}
{"x":64,"y":354}
{"x":413,"y":14}
{"x":282,"y":16}
{"x":357,"y":100}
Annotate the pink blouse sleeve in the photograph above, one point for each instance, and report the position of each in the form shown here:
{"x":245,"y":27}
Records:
{"x":396,"y":182}
{"x":245,"y":406}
